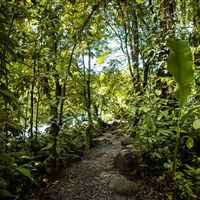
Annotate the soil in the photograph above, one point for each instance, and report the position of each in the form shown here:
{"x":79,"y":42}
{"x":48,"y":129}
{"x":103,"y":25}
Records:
{"x":89,"y":178}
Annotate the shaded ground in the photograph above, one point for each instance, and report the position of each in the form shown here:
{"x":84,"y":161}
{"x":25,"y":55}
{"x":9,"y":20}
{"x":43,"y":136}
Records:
{"x":89,"y":179}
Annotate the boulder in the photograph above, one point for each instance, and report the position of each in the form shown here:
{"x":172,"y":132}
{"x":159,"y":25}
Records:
{"x":125,"y":160}
{"x":121,"y":185}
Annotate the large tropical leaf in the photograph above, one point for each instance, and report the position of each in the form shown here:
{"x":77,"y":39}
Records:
{"x":4,"y":91}
{"x":25,"y":172}
{"x":180,"y":64}
{"x":13,"y":124}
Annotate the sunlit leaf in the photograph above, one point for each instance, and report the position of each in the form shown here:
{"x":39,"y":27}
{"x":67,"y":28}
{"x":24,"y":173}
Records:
{"x":102,"y":77}
{"x":58,"y":68}
{"x":100,"y":59}
{"x":190,"y":142}
{"x":196,"y":124}
{"x":158,"y":92}
{"x":144,"y":109}
{"x":63,"y":71}
{"x":42,"y":2}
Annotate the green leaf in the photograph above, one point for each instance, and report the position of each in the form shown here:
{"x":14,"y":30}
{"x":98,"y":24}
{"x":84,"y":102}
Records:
{"x":25,"y":172}
{"x":58,"y":149}
{"x":158,"y":92}
{"x":5,"y":193}
{"x":19,"y":154}
{"x":180,"y":64}
{"x":3,"y":114}
{"x":196,"y":124}
{"x":102,"y":77}
{"x":13,"y":125}
{"x":6,"y":157}
{"x":190,"y":142}
{"x":8,"y":93}
{"x":144,"y":109}
{"x":184,"y":117}
{"x":167,"y":165}
{"x":3,"y":183}
{"x":163,"y":113}
{"x":49,"y":146}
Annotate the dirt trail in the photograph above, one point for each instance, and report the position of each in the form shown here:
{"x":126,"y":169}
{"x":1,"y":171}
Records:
{"x":89,"y":179}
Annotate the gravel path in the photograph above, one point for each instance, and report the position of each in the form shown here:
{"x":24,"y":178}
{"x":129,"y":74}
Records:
{"x":89,"y":179}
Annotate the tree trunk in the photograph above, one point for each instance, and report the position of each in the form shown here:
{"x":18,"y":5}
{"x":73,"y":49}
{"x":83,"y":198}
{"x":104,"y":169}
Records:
{"x":89,"y":129}
{"x":126,"y":36}
{"x":32,"y":107}
{"x":135,"y":58}
{"x":54,"y":130}
{"x":37,"y":109}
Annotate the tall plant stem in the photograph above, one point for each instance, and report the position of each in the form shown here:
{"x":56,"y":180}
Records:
{"x":177,"y":143}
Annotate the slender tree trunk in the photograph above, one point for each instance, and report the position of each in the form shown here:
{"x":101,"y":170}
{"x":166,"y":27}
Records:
{"x":87,"y":98}
{"x":77,"y":40}
{"x":32,"y":107}
{"x":146,"y":72}
{"x":167,"y":11}
{"x":54,"y":108}
{"x":168,"y":8}
{"x":126,"y":36}
{"x":84,"y":82}
{"x":135,"y":35}
{"x":3,"y":67}
{"x":26,"y":113}
{"x":196,"y":30}
{"x":37,"y":108}
{"x":89,"y":130}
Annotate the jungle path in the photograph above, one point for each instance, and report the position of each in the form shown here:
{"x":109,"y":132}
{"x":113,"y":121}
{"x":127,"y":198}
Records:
{"x":89,"y":178}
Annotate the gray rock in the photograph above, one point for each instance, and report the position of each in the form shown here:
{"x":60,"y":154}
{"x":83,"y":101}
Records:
{"x":126,"y":141}
{"x":101,"y":141}
{"x":121,"y":185}
{"x":125,"y":160}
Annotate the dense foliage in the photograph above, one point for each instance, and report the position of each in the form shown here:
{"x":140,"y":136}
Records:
{"x":70,"y":65}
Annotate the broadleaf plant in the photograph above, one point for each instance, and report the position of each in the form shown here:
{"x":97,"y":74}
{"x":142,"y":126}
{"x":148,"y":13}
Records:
{"x":180,"y":65}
